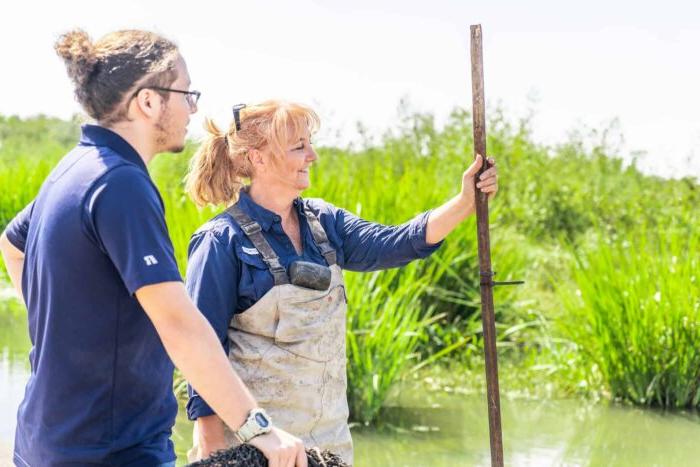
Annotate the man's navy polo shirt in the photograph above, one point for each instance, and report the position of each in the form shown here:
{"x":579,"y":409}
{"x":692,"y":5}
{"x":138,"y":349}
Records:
{"x":100,"y":389}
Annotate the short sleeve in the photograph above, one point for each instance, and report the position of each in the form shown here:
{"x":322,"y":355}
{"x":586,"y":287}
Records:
{"x":127,"y":217}
{"x":18,"y":228}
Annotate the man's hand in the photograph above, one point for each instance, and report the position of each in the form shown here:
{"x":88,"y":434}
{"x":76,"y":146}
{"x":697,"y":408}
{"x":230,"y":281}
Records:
{"x":281,"y":449}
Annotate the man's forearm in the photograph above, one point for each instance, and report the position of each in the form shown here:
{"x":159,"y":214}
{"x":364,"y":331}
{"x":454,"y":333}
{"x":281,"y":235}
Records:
{"x":194,"y":348}
{"x":14,"y":263}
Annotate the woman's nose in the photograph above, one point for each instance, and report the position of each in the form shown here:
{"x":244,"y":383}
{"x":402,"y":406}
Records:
{"x":311,"y":156}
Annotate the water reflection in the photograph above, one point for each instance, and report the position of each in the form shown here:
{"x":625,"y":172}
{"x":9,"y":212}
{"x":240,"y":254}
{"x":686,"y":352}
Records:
{"x":536,"y":433}
{"x":438,"y":429}
{"x":14,"y":370}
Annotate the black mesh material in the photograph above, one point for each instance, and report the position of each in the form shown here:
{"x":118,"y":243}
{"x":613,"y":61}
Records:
{"x":246,"y":455}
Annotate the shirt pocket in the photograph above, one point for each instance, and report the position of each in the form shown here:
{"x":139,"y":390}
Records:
{"x":256,"y":278}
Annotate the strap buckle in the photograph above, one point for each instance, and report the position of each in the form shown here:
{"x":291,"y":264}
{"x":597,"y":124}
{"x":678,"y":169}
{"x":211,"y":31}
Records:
{"x":250,"y":228}
{"x":275,"y":265}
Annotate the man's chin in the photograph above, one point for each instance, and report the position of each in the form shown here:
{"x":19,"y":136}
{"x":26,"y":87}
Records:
{"x":174,"y":148}
{"x":177,"y":149}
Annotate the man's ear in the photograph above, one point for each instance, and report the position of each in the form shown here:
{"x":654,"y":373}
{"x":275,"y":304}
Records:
{"x":147,"y":103}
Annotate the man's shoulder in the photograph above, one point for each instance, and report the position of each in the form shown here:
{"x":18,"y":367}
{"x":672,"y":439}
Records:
{"x":123,"y":186}
{"x":86,"y":167}
{"x":124,"y":173}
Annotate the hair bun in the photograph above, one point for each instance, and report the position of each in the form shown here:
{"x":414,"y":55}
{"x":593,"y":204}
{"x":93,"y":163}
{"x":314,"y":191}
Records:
{"x":76,"y":49}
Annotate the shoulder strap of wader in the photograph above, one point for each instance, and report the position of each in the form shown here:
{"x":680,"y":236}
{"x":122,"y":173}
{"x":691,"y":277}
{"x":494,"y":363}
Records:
{"x":253,"y":231}
{"x":320,"y":237}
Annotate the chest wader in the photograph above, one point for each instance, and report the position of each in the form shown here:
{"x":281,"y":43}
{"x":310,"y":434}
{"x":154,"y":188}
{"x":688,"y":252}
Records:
{"x":289,"y":349}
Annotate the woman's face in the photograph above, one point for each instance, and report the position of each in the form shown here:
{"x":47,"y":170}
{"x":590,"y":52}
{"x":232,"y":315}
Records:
{"x":292,"y":172}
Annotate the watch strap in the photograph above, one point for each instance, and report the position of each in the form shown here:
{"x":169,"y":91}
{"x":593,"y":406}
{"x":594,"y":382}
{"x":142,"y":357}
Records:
{"x":250,"y":429}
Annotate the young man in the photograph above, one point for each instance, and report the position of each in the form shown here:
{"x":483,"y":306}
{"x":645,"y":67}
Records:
{"x":92,"y":258}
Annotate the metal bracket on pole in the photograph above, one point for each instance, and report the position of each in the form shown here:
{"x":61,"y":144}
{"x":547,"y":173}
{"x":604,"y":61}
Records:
{"x":486,"y":280}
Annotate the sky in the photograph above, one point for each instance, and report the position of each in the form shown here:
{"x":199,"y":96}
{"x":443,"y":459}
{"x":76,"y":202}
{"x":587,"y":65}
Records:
{"x":572,"y":65}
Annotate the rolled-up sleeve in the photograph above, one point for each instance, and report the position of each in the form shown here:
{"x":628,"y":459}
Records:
{"x":212,"y":283}
{"x":369,"y":246}
{"x":18,"y":228}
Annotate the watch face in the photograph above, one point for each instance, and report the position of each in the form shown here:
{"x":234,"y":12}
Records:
{"x":262,"y":420}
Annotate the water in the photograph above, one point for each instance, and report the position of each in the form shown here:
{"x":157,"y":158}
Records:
{"x":444,"y":429}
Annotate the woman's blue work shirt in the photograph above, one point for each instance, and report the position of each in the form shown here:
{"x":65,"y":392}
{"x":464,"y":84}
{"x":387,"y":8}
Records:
{"x":226,"y":274}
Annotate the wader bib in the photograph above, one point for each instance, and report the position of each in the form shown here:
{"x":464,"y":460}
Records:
{"x":289,"y":349}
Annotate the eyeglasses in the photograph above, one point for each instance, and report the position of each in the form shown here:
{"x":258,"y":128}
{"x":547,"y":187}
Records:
{"x":192,"y":97}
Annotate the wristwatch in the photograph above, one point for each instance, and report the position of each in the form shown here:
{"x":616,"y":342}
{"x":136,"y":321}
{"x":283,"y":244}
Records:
{"x":258,"y":423}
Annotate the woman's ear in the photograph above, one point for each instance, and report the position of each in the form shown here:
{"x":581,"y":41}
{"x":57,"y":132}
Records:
{"x":257,"y":161}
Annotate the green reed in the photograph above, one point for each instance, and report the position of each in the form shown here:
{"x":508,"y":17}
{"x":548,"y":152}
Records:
{"x":551,"y":200}
{"x":635,"y":315}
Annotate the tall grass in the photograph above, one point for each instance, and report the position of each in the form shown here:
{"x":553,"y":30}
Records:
{"x":636,"y":315}
{"x":392,"y":315}
{"x":384,"y":326}
{"x":20,"y":181}
{"x":552,"y":202}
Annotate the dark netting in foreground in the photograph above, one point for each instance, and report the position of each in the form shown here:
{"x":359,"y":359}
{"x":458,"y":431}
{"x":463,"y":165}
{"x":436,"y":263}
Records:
{"x":246,"y":455}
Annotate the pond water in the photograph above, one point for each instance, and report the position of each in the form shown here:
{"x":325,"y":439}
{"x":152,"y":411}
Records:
{"x":441,"y":429}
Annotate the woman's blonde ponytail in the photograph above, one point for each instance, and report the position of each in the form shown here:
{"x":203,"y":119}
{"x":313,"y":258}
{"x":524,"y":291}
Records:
{"x":214,"y":176}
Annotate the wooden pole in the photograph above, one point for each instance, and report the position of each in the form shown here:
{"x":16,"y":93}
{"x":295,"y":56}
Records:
{"x":486,"y":275}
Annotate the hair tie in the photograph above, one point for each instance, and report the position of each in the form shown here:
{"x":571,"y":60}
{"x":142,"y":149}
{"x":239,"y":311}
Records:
{"x":237,"y":115}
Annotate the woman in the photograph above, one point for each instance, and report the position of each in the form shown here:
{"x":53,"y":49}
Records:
{"x":287,"y":341}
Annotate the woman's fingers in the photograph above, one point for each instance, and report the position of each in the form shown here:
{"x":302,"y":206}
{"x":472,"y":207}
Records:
{"x":487,"y":181}
{"x":488,"y":173}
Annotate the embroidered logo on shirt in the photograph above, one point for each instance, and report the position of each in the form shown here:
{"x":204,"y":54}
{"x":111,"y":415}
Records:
{"x":250,"y":251}
{"x":150,"y":260}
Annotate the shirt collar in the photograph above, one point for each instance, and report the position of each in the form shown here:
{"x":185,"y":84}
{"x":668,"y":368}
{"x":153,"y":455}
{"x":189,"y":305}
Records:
{"x":94,"y":135}
{"x":261,"y":215}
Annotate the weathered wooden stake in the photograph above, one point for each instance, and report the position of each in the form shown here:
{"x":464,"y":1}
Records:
{"x":486,"y":275}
